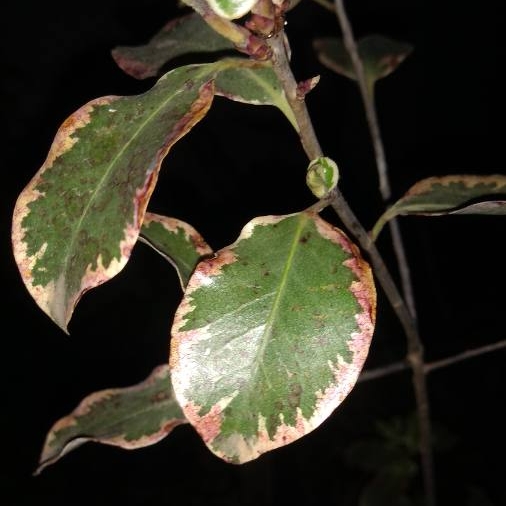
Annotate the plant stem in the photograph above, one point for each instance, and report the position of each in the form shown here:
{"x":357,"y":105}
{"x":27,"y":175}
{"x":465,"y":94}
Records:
{"x":415,"y":347}
{"x":313,"y":150}
{"x":325,"y":4}
{"x":402,"y":365}
{"x":281,"y":65}
{"x":366,"y":87}
{"x":438,"y":364}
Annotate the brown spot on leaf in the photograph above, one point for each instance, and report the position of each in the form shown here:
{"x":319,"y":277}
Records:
{"x":133,"y":67}
{"x":305,"y":238}
{"x":294,"y":395}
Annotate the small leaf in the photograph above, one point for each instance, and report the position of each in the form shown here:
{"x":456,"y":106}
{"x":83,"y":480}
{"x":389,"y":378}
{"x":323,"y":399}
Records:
{"x":184,"y":35}
{"x":254,"y":83}
{"x":132,"y":417}
{"x":176,"y":241}
{"x":231,"y":9}
{"x":76,"y":222}
{"x":271,"y":334}
{"x":380,"y":55}
{"x":455,"y":194}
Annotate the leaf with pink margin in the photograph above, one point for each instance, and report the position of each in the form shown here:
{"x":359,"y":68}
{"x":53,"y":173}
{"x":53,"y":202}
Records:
{"x":184,"y":35}
{"x":77,"y":220}
{"x":380,"y":55}
{"x":177,"y":241}
{"x":271,"y":334}
{"x":132,"y":417}
{"x":453,"y":194}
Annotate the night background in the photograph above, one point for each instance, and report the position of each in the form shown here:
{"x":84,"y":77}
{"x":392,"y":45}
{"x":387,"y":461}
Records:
{"x":441,"y":112}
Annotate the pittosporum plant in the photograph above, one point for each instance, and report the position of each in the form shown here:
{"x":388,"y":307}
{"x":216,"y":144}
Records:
{"x":272,"y":331}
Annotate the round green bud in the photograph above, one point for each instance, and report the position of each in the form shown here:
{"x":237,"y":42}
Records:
{"x":322,"y":176}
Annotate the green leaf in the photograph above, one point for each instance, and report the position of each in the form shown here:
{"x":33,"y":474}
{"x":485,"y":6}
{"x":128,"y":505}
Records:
{"x":132,"y":417}
{"x":231,"y":9}
{"x":380,"y":55}
{"x":184,"y":35}
{"x":78,"y":219}
{"x":176,"y":241}
{"x":257,"y":84}
{"x":271,"y":334}
{"x":455,"y":194}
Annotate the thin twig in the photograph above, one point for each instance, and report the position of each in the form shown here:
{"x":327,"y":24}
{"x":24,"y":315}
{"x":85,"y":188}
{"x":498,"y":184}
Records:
{"x":281,"y":65}
{"x":367,"y":93}
{"x":403,"y":265}
{"x":402,"y":365}
{"x":415,"y":353}
{"x":438,"y":364}
{"x":366,"y":90}
{"x":325,"y":4}
{"x":415,"y":347}
{"x":381,"y":372}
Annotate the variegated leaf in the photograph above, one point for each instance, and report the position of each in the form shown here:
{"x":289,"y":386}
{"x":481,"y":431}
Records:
{"x":254,"y":83}
{"x":176,"y":241}
{"x":77,"y":220}
{"x":131,"y":417}
{"x":380,"y":55}
{"x":272,"y":334}
{"x":231,"y":9}
{"x":187,"y":34}
{"x":454,"y":194}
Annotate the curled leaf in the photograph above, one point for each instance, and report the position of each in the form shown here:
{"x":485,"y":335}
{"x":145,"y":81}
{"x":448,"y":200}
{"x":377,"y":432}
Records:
{"x":454,"y":194}
{"x":271,"y":334}
{"x":177,"y":241}
{"x":131,"y":417}
{"x":184,"y":35}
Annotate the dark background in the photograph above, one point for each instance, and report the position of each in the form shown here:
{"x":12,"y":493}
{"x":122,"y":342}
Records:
{"x":442,"y":112}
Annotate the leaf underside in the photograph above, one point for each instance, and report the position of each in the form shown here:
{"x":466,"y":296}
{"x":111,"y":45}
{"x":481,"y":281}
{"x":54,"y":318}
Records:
{"x":132,"y":417}
{"x":176,"y":38}
{"x":255,"y":84}
{"x":271,"y":334}
{"x":177,"y":241}
{"x":453,"y":194}
{"x":380,"y":55}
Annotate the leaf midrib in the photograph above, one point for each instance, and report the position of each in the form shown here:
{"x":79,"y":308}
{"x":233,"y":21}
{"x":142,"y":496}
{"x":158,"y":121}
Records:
{"x":267,"y":333}
{"x":287,"y":111}
{"x":207,"y":68}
